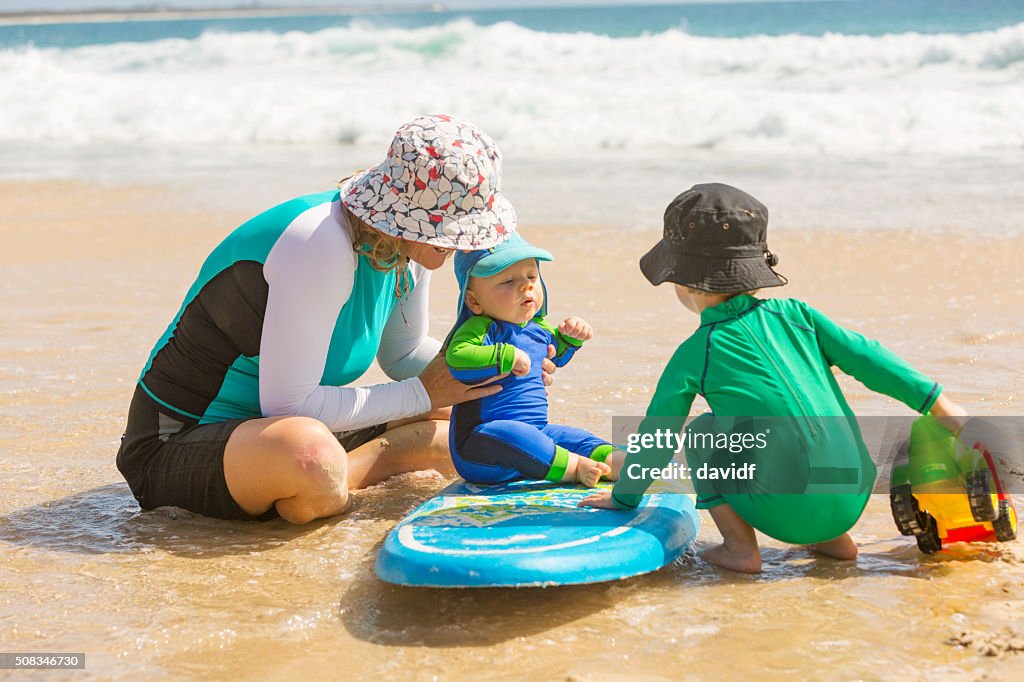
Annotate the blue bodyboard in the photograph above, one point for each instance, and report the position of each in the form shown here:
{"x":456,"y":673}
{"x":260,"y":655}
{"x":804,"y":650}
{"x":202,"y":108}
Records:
{"x":532,"y":534}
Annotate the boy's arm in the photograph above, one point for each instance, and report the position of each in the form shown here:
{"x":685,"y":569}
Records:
{"x":565,"y":346}
{"x":874,"y":365}
{"x":469,"y":357}
{"x":668,"y":410}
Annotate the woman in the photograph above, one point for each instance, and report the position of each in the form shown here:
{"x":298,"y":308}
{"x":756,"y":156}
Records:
{"x":242,"y":410}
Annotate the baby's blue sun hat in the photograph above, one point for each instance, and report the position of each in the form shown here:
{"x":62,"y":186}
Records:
{"x":488,"y":262}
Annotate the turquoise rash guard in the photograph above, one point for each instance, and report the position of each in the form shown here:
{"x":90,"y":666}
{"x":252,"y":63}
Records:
{"x":768,"y":358}
{"x":282,"y":315}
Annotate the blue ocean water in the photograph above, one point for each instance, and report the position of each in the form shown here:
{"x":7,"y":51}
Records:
{"x":730,"y":20}
{"x":853,"y":77}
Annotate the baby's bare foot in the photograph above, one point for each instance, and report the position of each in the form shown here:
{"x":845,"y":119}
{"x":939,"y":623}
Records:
{"x":615,"y":460}
{"x":589,"y":472}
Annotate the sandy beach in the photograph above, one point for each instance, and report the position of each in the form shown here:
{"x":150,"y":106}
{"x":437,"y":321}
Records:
{"x":884,"y":137}
{"x":90,"y":281}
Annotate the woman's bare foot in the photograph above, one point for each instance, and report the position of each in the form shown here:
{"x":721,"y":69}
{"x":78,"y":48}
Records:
{"x":742,"y":559}
{"x":585,"y":470}
{"x":842,"y":548}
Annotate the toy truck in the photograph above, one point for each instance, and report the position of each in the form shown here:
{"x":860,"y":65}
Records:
{"x":948,"y":492}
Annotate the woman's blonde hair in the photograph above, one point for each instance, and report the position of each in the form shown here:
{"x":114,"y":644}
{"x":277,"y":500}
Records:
{"x":382,"y":251}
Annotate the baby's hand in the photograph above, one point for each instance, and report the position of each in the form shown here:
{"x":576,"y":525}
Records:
{"x":521,"y":365}
{"x":576,"y":328}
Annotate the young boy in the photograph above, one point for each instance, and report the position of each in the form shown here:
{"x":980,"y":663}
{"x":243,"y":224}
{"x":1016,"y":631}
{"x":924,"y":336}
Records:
{"x":769,"y":360}
{"x":502,"y":329}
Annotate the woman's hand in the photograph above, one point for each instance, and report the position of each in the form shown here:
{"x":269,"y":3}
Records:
{"x":445,"y":390}
{"x":547,"y":368}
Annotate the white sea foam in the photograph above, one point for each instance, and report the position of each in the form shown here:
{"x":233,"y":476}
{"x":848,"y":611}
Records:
{"x":533,"y":91}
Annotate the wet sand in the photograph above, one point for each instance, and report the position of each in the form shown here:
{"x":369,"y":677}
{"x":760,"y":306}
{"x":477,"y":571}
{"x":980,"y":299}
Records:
{"x":91,"y":280}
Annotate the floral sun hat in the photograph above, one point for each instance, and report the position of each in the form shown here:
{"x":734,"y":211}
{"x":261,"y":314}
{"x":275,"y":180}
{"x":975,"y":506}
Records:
{"x":440,"y":184}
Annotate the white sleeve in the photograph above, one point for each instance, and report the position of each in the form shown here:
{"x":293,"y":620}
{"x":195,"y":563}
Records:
{"x":310,"y":273}
{"x":405,"y":349}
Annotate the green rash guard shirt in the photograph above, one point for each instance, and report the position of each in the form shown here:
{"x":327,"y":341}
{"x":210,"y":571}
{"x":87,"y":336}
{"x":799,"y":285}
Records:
{"x":773,"y":358}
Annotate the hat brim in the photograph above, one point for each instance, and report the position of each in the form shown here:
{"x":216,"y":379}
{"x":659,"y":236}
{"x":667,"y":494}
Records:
{"x":714,"y":275}
{"x":493,"y":263}
{"x":368,"y":197}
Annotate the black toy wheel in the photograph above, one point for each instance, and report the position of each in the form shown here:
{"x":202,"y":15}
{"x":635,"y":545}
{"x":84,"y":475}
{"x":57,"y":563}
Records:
{"x":905,"y":511}
{"x":928,"y":541}
{"x":979,"y":495}
{"x":1003,"y":525}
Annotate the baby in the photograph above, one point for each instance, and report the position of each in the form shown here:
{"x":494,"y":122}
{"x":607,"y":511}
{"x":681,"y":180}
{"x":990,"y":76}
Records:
{"x":766,"y":361}
{"x":502,"y":329}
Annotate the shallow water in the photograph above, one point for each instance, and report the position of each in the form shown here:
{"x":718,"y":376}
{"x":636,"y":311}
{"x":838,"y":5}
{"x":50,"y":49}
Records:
{"x":90,"y":283}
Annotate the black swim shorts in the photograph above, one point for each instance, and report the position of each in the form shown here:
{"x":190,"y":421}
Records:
{"x":168,"y":462}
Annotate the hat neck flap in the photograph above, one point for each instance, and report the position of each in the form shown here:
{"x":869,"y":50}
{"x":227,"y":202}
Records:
{"x":463,"y":274}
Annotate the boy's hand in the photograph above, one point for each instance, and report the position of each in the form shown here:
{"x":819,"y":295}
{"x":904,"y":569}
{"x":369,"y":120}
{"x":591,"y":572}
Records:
{"x":601,"y":500}
{"x":949,"y":414}
{"x":576,"y":328}
{"x":521,"y":365}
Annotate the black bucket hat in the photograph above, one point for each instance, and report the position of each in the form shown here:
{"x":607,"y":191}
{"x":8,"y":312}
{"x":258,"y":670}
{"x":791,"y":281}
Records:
{"x":714,"y":240}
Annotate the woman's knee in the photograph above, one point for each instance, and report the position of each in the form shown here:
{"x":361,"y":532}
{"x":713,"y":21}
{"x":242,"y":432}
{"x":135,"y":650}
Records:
{"x":267,"y":461}
{"x":316,"y":453}
{"x":309,"y":455}
{"x":318,"y":467}
{"x":305,"y":508}
{"x":303,"y":440}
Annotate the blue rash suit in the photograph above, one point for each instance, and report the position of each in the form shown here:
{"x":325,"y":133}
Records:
{"x":506,"y":436}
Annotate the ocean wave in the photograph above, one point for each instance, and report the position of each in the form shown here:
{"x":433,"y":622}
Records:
{"x":534,"y":91}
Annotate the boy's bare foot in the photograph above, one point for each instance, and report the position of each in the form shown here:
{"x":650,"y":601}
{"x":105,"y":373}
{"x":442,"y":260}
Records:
{"x":589,"y":472}
{"x":739,"y":550}
{"x":742,"y":559}
{"x":842,"y":548}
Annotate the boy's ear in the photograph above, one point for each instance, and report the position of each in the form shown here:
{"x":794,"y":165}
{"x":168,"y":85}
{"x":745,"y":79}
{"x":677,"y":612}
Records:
{"x":472,"y":303}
